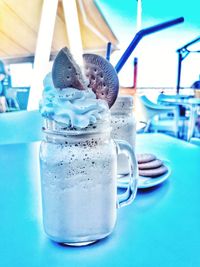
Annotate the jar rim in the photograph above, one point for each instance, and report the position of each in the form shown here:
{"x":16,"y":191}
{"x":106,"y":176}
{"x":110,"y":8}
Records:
{"x":123,"y":102}
{"x":52,"y":127}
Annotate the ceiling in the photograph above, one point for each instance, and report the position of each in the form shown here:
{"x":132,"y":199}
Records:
{"x":20,"y":20}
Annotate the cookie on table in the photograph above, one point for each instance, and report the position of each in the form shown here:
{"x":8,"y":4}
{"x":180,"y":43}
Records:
{"x":154,"y":172}
{"x":145,"y":157}
{"x":150,"y":165}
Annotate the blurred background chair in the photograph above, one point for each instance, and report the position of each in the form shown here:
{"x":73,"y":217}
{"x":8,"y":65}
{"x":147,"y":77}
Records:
{"x":149,"y":112}
{"x":163,"y":100}
{"x":162,"y":97}
{"x":184,"y":110}
{"x":3,"y":104}
{"x":140,"y":126}
{"x":194,"y":119}
{"x":189,"y":113}
{"x":22,"y":96}
{"x":20,"y":127}
{"x":12,"y":101}
{"x":195,"y":141}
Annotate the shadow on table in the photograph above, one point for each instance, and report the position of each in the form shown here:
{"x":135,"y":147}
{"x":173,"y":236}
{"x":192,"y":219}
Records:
{"x":150,"y":197}
{"x":153,"y":188}
{"x":95,"y":245}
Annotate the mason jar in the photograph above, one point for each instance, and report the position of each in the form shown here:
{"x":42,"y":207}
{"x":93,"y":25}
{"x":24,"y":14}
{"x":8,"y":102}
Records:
{"x":123,"y":125}
{"x":79,"y":182}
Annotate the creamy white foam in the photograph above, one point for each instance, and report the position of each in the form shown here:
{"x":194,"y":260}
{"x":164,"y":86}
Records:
{"x":72,"y":107}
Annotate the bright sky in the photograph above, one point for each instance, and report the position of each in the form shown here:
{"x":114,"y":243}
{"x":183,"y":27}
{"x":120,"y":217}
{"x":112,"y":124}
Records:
{"x":157,"y":57}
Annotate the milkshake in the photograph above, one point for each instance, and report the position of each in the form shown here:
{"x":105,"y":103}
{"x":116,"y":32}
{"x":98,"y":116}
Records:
{"x":78,"y":163}
{"x":79,"y":185}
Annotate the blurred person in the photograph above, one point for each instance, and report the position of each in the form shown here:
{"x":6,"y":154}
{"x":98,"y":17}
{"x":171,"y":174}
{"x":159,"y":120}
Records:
{"x":196,"y":85}
{"x":2,"y":77}
{"x":7,"y":93}
{"x":3,"y":103}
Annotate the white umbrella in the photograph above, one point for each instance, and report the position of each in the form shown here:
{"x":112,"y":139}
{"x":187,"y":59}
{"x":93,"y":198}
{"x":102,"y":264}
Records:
{"x":36,"y":29}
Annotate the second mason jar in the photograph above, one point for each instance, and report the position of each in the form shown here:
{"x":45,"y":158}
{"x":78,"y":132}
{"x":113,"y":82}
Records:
{"x":123,"y":125}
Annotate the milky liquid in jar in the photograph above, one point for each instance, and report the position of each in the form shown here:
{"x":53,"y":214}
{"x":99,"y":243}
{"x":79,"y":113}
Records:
{"x":79,"y":183}
{"x":78,"y":172}
{"x":123,"y":125}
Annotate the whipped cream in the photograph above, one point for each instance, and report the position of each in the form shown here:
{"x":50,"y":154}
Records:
{"x":71,"y":107}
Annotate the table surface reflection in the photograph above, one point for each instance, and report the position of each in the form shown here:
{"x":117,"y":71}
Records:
{"x":161,"y":227}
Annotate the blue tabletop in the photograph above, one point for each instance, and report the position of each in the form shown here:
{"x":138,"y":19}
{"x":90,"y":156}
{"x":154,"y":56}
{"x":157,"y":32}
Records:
{"x":160,"y":228}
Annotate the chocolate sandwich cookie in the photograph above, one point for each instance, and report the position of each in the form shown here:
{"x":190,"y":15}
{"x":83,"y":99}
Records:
{"x":150,"y":165}
{"x":145,"y":157}
{"x":154,"y":172}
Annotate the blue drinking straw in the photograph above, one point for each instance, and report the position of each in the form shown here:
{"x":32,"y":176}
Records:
{"x":139,"y":35}
{"x":108,"y":51}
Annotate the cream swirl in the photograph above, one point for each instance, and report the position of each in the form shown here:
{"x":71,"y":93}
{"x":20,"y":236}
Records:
{"x":71,"y":107}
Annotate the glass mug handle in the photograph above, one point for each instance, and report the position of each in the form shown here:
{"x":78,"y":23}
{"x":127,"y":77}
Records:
{"x":128,"y":196}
